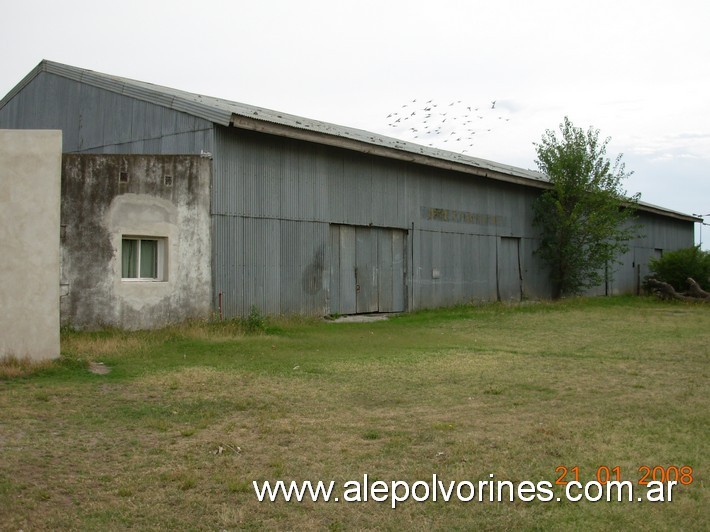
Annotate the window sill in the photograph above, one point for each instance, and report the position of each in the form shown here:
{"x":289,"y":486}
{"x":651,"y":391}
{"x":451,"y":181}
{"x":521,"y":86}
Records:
{"x":132,"y":280}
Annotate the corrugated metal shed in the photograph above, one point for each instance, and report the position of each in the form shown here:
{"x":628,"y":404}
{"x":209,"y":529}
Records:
{"x":310,"y":217}
{"x":226,"y":113}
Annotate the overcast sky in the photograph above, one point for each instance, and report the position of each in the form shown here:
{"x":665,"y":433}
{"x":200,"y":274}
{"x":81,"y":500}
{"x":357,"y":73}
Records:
{"x":639,"y":70}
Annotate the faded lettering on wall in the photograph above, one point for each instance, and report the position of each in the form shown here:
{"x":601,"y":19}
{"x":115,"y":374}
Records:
{"x":461,"y":217}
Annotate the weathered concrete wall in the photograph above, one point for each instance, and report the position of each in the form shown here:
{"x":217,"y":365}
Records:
{"x":30,"y":166}
{"x":108,"y":197}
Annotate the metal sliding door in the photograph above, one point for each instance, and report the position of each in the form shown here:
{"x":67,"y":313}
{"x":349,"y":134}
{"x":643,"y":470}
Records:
{"x":367,"y":269}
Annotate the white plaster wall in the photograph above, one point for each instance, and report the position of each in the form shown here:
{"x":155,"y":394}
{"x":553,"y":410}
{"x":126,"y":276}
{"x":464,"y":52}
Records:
{"x":30,"y":178}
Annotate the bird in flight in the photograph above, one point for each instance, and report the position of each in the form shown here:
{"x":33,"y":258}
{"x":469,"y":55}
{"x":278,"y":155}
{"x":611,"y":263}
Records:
{"x":455,"y":123}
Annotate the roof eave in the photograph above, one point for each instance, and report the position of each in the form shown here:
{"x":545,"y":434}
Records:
{"x":401,"y":154}
{"x":662,"y":211}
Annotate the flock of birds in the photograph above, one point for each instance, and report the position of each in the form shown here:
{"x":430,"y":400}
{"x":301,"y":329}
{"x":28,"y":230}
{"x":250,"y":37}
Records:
{"x":453,"y":126}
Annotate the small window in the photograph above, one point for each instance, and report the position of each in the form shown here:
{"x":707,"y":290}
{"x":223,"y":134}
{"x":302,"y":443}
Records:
{"x":143,"y":258}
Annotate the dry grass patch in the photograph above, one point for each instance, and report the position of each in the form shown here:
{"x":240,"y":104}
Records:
{"x":12,"y":367}
{"x":92,"y":346}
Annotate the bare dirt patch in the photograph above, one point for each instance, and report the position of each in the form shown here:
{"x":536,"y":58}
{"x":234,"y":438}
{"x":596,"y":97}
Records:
{"x":361,"y":318}
{"x":99,"y":368}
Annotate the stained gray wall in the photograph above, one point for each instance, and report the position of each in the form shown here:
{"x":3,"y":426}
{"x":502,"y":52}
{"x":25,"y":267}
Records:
{"x":107,"y":197}
{"x":30,"y":166}
{"x":276,"y":201}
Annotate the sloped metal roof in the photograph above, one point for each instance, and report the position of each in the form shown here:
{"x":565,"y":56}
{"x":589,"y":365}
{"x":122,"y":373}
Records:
{"x":223,"y":112}
{"x":226,"y":113}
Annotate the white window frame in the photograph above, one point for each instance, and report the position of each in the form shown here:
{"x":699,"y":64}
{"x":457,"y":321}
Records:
{"x":160,"y":272}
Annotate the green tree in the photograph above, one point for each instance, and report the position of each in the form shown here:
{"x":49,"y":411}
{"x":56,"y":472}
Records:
{"x":585,"y":219}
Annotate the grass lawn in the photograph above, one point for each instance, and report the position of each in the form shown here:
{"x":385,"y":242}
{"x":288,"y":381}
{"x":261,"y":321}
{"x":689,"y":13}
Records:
{"x":173,"y":436}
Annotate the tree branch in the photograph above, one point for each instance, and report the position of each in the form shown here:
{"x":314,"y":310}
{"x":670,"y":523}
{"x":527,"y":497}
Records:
{"x":696,"y":291}
{"x":666,"y":291}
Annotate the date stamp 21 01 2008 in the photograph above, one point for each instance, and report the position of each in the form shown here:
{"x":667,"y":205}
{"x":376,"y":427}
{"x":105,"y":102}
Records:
{"x":604,"y":474}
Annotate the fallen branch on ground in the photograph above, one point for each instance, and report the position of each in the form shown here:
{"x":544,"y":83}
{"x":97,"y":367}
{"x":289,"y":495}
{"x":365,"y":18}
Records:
{"x":666,"y":291}
{"x":695,"y":290}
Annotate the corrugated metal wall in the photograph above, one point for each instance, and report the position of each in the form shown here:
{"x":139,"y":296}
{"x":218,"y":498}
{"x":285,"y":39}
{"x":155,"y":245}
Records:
{"x":94,"y":120}
{"x":467,"y":238}
{"x":658,"y":234}
{"x":279,"y":266}
{"x":277,"y":202}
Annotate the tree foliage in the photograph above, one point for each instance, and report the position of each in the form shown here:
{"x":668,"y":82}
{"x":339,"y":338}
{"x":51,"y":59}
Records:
{"x":585,"y":219}
{"x":675,"y":267}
